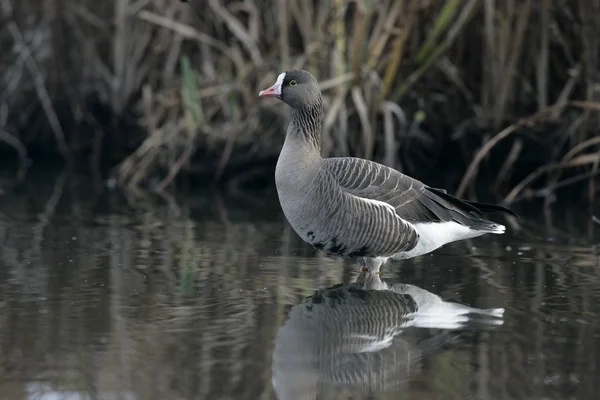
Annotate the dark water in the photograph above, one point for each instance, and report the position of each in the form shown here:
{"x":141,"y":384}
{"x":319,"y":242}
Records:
{"x":214,"y":297}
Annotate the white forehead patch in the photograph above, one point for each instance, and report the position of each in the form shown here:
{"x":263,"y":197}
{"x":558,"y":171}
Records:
{"x":279,"y":81}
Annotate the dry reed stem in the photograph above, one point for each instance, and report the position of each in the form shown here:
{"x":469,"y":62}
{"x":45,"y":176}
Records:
{"x":507,"y":165}
{"x":381,"y":34}
{"x":361,"y":23}
{"x":183,"y":29}
{"x":588,"y":105}
{"x":576,"y":162}
{"x":570,"y":154}
{"x":175,"y":167}
{"x":580,"y":147}
{"x":592,"y":182}
{"x":398,"y":51}
{"x":430,"y":58}
{"x":441,"y":23}
{"x":515,"y":46}
{"x":391,"y":110}
{"x":283,"y":21}
{"x":363,"y":113}
{"x":40,"y":86}
{"x":21,"y":150}
{"x":544,"y":55}
{"x":238,"y":29}
{"x":120,"y":54}
{"x":490,"y":144}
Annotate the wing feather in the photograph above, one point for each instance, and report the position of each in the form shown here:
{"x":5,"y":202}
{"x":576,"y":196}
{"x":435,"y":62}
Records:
{"x":413,"y":201}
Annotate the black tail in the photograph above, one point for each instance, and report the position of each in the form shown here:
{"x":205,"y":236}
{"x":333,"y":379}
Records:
{"x":472,"y":206}
{"x":491,"y":208}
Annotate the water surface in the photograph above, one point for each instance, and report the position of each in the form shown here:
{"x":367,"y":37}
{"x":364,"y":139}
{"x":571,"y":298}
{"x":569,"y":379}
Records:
{"x":212,"y":296}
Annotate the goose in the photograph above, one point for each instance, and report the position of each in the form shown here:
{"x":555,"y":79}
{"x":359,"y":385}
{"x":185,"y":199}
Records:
{"x":356,"y":208}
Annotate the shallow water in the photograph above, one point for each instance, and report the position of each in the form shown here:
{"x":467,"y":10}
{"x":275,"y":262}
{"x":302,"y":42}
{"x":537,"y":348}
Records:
{"x":103,"y":297}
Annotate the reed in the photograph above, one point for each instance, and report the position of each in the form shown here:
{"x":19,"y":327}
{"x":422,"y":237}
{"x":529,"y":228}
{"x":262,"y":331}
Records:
{"x":174,"y":84}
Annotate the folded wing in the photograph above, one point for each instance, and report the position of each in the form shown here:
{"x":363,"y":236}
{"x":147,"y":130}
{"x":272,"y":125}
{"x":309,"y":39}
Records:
{"x":412,"y":200}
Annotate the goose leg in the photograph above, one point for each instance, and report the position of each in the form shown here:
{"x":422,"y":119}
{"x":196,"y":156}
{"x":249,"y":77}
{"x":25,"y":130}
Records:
{"x":371,"y":265}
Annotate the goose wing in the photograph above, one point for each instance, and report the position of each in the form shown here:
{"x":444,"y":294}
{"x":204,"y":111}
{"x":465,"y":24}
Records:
{"x":412,"y":200}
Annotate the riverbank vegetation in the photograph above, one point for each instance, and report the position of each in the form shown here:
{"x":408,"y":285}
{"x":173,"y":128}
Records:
{"x":161,"y":87}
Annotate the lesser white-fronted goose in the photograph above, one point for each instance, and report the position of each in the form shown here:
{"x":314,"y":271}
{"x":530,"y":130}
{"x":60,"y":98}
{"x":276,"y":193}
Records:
{"x":356,"y":208}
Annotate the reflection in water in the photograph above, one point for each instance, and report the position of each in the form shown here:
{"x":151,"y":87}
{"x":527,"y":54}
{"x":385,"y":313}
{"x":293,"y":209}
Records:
{"x":102,"y":298}
{"x":361,"y":337}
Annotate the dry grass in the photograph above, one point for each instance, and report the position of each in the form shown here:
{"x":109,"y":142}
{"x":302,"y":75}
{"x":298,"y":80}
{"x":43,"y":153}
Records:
{"x":401,"y":80}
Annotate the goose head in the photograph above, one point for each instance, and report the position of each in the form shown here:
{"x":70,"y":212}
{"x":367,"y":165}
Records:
{"x":297,"y":88}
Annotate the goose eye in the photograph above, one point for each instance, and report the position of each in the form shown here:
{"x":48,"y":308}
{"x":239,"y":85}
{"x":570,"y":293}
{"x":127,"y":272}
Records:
{"x":293,"y":82}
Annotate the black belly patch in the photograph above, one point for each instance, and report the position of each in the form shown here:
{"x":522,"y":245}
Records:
{"x":318,"y":246}
{"x":332,"y":247}
{"x":337,"y":248}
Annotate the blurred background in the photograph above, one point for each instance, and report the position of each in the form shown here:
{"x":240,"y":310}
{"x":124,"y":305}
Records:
{"x":500,"y":93}
{"x":143,"y":252}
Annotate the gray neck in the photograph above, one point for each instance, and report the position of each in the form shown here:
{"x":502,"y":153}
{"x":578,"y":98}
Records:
{"x":299,"y":163}
{"x":306,"y":125}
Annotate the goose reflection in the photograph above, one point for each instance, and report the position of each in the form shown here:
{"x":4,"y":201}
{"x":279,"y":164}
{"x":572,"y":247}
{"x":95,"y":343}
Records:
{"x":361,"y":336}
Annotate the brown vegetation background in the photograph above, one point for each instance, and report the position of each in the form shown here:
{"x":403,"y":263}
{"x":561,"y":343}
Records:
{"x":161,"y":86}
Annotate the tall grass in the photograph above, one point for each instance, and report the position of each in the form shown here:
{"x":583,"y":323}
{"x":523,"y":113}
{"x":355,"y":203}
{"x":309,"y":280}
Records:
{"x":402,"y":80}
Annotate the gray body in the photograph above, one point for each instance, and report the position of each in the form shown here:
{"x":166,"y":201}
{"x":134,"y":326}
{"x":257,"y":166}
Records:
{"x":329,"y":216}
{"x":356,"y":208}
